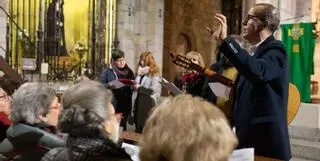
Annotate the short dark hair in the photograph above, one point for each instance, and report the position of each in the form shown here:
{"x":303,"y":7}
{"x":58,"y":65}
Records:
{"x":116,"y":54}
{"x":269,"y":14}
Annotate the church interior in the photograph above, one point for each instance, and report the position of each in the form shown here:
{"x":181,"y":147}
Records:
{"x":58,"y":41}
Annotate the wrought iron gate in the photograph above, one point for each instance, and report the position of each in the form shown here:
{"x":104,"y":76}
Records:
{"x":37,"y":35}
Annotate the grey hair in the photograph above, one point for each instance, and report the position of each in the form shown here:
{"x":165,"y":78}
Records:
{"x":30,"y":101}
{"x":269,"y":13}
{"x":85,"y":108}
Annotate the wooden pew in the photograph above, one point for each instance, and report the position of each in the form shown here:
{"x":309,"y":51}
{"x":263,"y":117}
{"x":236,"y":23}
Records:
{"x":130,"y":136}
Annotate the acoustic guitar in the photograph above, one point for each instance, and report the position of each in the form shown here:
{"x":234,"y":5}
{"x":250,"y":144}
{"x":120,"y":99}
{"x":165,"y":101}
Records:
{"x":228,"y":78}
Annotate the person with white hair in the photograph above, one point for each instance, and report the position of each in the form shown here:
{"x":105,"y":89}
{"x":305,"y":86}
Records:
{"x":89,"y":119}
{"x":34,"y":110}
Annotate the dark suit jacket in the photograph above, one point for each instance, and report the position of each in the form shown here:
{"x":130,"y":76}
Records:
{"x":260,"y":109}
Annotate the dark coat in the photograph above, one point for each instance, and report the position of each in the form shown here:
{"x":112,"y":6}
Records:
{"x":26,"y":142}
{"x":122,"y":96}
{"x":260,"y":109}
{"x":88,"y":149}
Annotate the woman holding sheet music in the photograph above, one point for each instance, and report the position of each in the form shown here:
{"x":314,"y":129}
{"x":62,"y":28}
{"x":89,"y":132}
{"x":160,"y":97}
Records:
{"x":147,"y":90}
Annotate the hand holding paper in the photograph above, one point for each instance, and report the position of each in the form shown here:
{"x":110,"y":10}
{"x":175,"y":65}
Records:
{"x":121,"y":83}
{"x":115,"y":84}
{"x":127,"y":81}
{"x":246,"y":154}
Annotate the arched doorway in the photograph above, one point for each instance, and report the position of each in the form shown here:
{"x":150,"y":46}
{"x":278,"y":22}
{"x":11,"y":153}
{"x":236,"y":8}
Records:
{"x":183,"y":44}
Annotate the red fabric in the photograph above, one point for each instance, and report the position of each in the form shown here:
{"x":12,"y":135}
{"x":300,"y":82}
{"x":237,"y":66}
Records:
{"x":127,"y":81}
{"x":4,"y":119}
{"x":189,"y":77}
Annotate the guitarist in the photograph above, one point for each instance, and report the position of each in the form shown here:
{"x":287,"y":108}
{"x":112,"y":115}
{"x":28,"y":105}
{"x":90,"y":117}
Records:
{"x":260,"y":110}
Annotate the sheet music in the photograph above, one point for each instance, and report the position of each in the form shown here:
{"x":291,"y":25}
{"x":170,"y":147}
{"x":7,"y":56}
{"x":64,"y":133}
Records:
{"x":170,"y":86}
{"x":132,"y":150}
{"x":246,"y":154}
{"x":219,"y":89}
{"x":116,"y":84}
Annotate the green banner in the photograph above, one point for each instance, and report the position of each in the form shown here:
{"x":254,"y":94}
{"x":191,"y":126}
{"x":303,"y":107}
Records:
{"x":299,"y":43}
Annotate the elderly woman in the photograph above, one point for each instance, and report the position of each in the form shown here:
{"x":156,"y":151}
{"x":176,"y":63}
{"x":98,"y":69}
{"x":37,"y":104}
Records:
{"x":34,"y":110}
{"x":93,"y":127}
{"x":187,"y":128}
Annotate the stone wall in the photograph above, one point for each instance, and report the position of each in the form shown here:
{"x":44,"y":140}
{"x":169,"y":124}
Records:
{"x":184,"y":30}
{"x":140,"y":28}
{"x":316,"y":56}
{"x":3,"y":3}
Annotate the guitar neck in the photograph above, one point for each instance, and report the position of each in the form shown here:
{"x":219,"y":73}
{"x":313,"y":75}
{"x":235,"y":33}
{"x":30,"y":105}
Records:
{"x":212,"y":74}
{"x":187,"y":63}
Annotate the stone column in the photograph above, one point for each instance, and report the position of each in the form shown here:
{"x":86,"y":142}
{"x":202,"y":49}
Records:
{"x":158,"y":19}
{"x":3,"y":3}
{"x":316,"y":58}
{"x":125,"y":29}
{"x":140,"y":28}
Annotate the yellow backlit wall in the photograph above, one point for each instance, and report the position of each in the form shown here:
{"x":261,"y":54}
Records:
{"x":76,"y":13}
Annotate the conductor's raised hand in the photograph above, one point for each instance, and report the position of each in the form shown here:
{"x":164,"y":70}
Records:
{"x":221,"y":33}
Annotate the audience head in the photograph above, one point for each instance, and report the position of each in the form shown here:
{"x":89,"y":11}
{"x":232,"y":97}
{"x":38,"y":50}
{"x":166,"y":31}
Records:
{"x":117,"y":58}
{"x":186,"y":128}
{"x":87,"y":112}
{"x":147,"y":59}
{"x":33,"y":103}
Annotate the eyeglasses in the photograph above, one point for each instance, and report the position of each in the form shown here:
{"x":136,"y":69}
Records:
{"x":253,"y":17}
